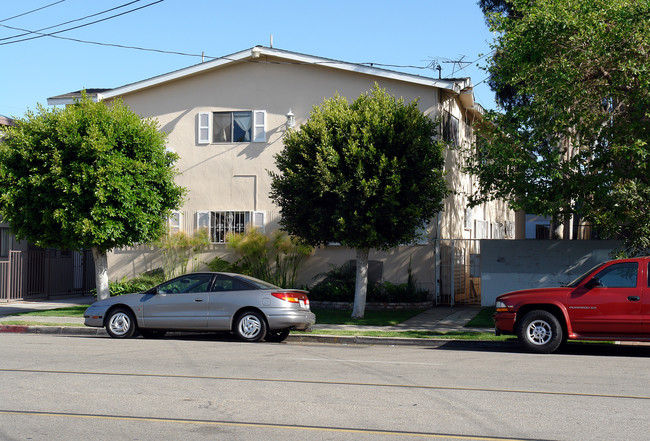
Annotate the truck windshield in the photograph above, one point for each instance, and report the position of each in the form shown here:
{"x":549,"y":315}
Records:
{"x":579,"y":280}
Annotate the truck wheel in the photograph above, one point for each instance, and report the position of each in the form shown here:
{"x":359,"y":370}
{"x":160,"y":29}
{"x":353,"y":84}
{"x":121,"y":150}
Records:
{"x":540,"y":331}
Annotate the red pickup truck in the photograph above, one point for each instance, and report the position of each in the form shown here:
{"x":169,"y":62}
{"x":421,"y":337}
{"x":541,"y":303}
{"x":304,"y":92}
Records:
{"x":608,"y":302}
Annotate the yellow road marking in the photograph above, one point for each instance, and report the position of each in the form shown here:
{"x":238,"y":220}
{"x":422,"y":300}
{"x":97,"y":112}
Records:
{"x":260,"y":425}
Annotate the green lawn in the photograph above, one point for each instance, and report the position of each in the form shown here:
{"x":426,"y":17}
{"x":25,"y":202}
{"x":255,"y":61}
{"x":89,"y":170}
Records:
{"x":455,"y":335}
{"x":68,"y":311}
{"x":28,"y":323}
{"x":483,"y":319}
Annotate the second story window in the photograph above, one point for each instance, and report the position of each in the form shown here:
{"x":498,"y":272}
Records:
{"x":449,"y":128}
{"x":231,"y":127}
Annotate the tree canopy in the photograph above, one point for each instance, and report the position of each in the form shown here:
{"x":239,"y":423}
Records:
{"x":366,"y":174}
{"x":89,"y":176}
{"x":573,"y":81}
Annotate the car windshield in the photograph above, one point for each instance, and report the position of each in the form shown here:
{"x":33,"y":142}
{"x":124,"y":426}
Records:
{"x":579,"y":280}
{"x":259,"y":284}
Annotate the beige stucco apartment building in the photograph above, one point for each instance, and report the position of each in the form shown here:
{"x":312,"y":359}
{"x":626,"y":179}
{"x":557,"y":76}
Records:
{"x":226,"y":118}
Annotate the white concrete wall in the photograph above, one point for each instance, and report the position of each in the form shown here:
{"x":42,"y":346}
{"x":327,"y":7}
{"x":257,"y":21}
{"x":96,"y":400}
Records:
{"x":509,"y":265}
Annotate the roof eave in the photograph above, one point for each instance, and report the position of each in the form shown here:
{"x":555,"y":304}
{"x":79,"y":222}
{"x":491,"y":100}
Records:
{"x":252,"y":54}
{"x":466,"y":97}
{"x":71,"y":98}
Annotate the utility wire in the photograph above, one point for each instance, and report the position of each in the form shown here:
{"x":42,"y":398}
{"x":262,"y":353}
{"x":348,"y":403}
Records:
{"x":69,"y":21}
{"x":33,"y":10}
{"x":53,"y":34}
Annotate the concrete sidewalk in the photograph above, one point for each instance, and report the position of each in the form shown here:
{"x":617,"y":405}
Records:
{"x":436,"y":319}
{"x":9,"y":308}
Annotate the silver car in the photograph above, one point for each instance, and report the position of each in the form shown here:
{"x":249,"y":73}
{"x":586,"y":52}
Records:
{"x":250,"y":308}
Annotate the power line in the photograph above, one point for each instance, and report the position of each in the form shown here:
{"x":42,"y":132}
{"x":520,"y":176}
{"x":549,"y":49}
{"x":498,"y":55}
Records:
{"x":33,"y":10}
{"x":68,"y":22}
{"x":53,"y":34}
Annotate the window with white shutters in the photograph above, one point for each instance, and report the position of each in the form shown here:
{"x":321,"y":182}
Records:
{"x":231,"y":127}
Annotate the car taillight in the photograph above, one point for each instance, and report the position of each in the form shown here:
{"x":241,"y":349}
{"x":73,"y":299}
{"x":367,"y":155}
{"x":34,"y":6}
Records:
{"x":292,"y":297}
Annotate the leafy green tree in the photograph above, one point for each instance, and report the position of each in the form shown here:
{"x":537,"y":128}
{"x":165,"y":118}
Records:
{"x":365,"y":175}
{"x":89,"y":176}
{"x":573,"y":80}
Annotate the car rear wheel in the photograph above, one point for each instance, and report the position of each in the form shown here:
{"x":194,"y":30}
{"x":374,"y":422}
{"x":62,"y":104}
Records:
{"x":277,"y":336}
{"x":120,"y":323}
{"x":540,"y":331}
{"x":250,"y":326}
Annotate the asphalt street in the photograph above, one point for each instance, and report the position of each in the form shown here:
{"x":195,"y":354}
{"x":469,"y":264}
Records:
{"x":63,"y":387}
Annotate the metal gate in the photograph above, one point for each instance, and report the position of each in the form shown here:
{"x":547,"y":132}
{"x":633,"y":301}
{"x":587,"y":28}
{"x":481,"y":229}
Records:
{"x":11,"y":277}
{"x":52,"y":273}
{"x":458,"y":271}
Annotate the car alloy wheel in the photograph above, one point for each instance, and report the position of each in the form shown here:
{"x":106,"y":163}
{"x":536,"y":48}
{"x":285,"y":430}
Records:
{"x":120,"y":324}
{"x":250,"y":326}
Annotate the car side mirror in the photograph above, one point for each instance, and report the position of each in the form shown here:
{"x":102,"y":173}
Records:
{"x":593,"y":283}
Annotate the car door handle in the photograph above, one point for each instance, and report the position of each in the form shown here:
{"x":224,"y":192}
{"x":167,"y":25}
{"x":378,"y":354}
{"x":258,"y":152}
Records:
{"x":200,"y":300}
{"x":634,"y":298}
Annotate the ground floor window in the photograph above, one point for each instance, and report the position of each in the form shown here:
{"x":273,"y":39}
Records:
{"x":222,"y":223}
{"x":174,"y":222}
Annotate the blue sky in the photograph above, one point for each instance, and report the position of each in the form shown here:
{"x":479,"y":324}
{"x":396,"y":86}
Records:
{"x":389,"y":32}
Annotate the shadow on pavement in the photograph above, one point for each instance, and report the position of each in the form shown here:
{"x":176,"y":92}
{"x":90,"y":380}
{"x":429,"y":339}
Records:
{"x":571,"y":348}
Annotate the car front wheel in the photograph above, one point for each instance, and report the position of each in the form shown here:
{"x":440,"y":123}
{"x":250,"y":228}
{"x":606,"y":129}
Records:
{"x":120,"y":323}
{"x":250,"y":326}
{"x":540,"y":331}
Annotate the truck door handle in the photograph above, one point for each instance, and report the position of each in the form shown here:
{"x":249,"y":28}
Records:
{"x":634,"y":298}
{"x":200,"y":299}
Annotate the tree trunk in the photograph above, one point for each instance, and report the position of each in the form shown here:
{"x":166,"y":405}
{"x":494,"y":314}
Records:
{"x":520,"y":225}
{"x":361,"y":285}
{"x":557,"y":229}
{"x":101,"y":274}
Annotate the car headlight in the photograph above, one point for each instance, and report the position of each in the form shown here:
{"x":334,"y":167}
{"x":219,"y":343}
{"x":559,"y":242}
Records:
{"x":500,"y":306}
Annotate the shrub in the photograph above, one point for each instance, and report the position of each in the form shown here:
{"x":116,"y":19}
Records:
{"x":274,"y":258}
{"x":179,"y":249}
{"x":141,"y":283}
{"x":338,"y":284}
{"x":219,"y":264}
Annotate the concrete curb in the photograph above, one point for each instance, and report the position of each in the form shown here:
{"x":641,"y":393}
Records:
{"x":59,"y":330}
{"x":432,"y":343}
{"x":293,"y":338}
